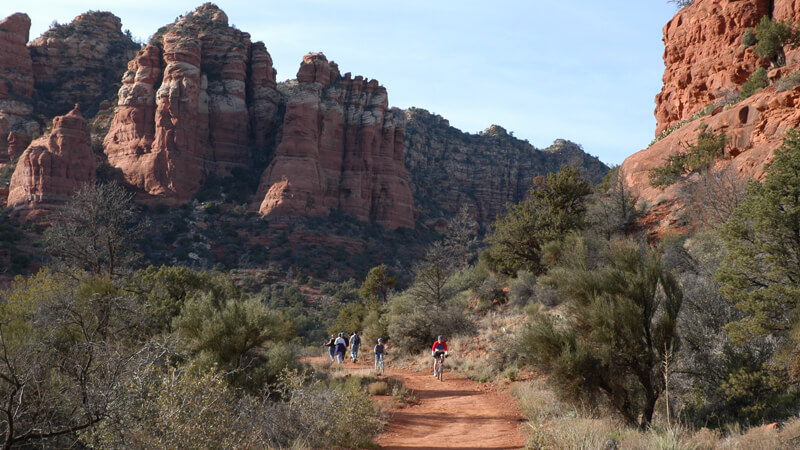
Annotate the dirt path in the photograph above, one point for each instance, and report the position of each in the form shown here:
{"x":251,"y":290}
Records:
{"x":454,"y":413}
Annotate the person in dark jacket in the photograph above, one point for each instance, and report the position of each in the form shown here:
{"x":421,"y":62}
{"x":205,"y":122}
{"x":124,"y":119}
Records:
{"x":331,"y":346}
{"x":355,"y":342}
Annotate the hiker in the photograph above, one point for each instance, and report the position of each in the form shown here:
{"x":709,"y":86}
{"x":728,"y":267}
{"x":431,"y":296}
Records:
{"x":341,"y":346}
{"x":331,"y":346}
{"x":355,"y":342}
{"x":380,"y":350}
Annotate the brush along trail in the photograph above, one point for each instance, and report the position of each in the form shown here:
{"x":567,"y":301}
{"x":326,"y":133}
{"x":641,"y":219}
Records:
{"x":454,"y":413}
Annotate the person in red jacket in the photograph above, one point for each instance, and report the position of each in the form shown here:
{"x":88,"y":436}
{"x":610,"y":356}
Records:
{"x":439,"y":348}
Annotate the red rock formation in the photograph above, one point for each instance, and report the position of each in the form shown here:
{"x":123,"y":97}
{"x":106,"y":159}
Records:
{"x":81,"y":62}
{"x":53,"y":167}
{"x":706,"y":36}
{"x":16,"y":87}
{"x":342,"y":147}
{"x":192,"y":103}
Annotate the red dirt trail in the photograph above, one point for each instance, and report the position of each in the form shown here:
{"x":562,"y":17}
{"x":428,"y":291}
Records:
{"x":454,"y":413}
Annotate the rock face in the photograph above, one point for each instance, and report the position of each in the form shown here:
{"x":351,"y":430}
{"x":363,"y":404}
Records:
{"x":16,"y":87}
{"x":341,"y":148}
{"x":703,"y":56}
{"x":200,"y":99}
{"x":81,"y":62}
{"x":53,"y":167}
{"x":450,"y":169}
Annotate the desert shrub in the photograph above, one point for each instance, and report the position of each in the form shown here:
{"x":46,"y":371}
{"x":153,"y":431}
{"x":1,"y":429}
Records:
{"x":322,"y":415}
{"x":619,"y":320}
{"x":681,"y":3}
{"x":788,"y":82}
{"x":772,"y":38}
{"x":171,"y":408}
{"x":713,"y":196}
{"x":233,"y":334}
{"x":749,"y":38}
{"x":378,"y":388}
{"x":522,"y":289}
{"x":709,"y":147}
{"x":755,"y":82}
{"x":416,"y":330}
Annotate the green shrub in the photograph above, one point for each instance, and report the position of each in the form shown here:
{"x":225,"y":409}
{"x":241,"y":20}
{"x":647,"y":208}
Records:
{"x":771,"y":39}
{"x":749,"y":38}
{"x":755,"y":83}
{"x":708,"y":148}
{"x":788,"y":82}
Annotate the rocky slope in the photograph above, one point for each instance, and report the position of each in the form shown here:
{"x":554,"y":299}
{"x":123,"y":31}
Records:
{"x":198,"y":100}
{"x":53,"y":167}
{"x":342,"y":148}
{"x":81,"y":62}
{"x":707,"y":38}
{"x":16,"y":87}
{"x":449,"y":169}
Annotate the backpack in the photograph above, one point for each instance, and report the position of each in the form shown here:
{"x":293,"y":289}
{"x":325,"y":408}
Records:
{"x":355,"y":340}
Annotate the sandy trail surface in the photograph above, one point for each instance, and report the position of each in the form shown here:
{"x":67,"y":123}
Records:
{"x":454,"y":413}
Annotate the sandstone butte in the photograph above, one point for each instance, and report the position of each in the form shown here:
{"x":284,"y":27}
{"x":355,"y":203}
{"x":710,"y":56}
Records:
{"x":16,"y":87}
{"x":705,"y":63}
{"x":53,"y":167}
{"x":198,"y":100}
{"x":341,"y":147}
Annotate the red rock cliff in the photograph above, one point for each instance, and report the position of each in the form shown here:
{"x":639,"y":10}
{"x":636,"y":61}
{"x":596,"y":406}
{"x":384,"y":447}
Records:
{"x":16,"y":87}
{"x":342,"y":147}
{"x":53,"y":167}
{"x":193,"y":103}
{"x":703,"y":59}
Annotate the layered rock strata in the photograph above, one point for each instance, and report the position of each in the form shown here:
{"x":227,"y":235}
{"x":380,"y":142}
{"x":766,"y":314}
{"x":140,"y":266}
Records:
{"x":200,"y":99}
{"x":53,"y":167}
{"x":81,"y":62}
{"x":341,"y":148}
{"x":16,"y":87}
{"x":450,"y":169}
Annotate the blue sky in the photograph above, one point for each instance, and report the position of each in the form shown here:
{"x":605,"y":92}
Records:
{"x":582,"y":70}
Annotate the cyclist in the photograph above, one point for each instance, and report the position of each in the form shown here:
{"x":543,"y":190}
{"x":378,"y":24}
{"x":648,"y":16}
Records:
{"x":439,"y":348}
{"x":355,"y":342}
{"x":380,"y":350}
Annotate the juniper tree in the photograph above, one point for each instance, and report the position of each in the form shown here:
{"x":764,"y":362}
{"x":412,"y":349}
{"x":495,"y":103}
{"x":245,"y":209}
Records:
{"x":556,"y":205}
{"x":619,"y":323}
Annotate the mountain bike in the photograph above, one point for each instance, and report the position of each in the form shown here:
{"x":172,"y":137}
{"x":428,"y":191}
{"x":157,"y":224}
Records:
{"x":438,"y":364}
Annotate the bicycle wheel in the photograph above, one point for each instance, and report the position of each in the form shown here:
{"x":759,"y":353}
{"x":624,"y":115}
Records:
{"x":441,"y":369}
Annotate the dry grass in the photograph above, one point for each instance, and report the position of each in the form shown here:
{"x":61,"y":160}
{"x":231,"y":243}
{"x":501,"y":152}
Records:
{"x":378,"y":388}
{"x":553,"y":424}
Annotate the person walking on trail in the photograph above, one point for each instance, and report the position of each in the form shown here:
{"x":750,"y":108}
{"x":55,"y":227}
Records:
{"x":341,"y":346}
{"x":355,"y":342}
{"x":331,"y":346}
{"x":439,"y":348}
{"x":379,"y":350}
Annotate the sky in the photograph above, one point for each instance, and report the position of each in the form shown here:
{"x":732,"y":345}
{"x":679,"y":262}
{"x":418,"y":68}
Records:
{"x":583,"y":70}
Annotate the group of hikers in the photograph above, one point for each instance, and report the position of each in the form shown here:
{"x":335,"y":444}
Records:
{"x":337,"y":346}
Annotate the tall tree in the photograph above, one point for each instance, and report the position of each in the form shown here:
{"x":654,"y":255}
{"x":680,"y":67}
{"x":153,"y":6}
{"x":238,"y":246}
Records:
{"x":555,"y":206}
{"x":377,"y":284}
{"x":97,"y":230}
{"x":761,"y":271}
{"x":618,"y":325}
